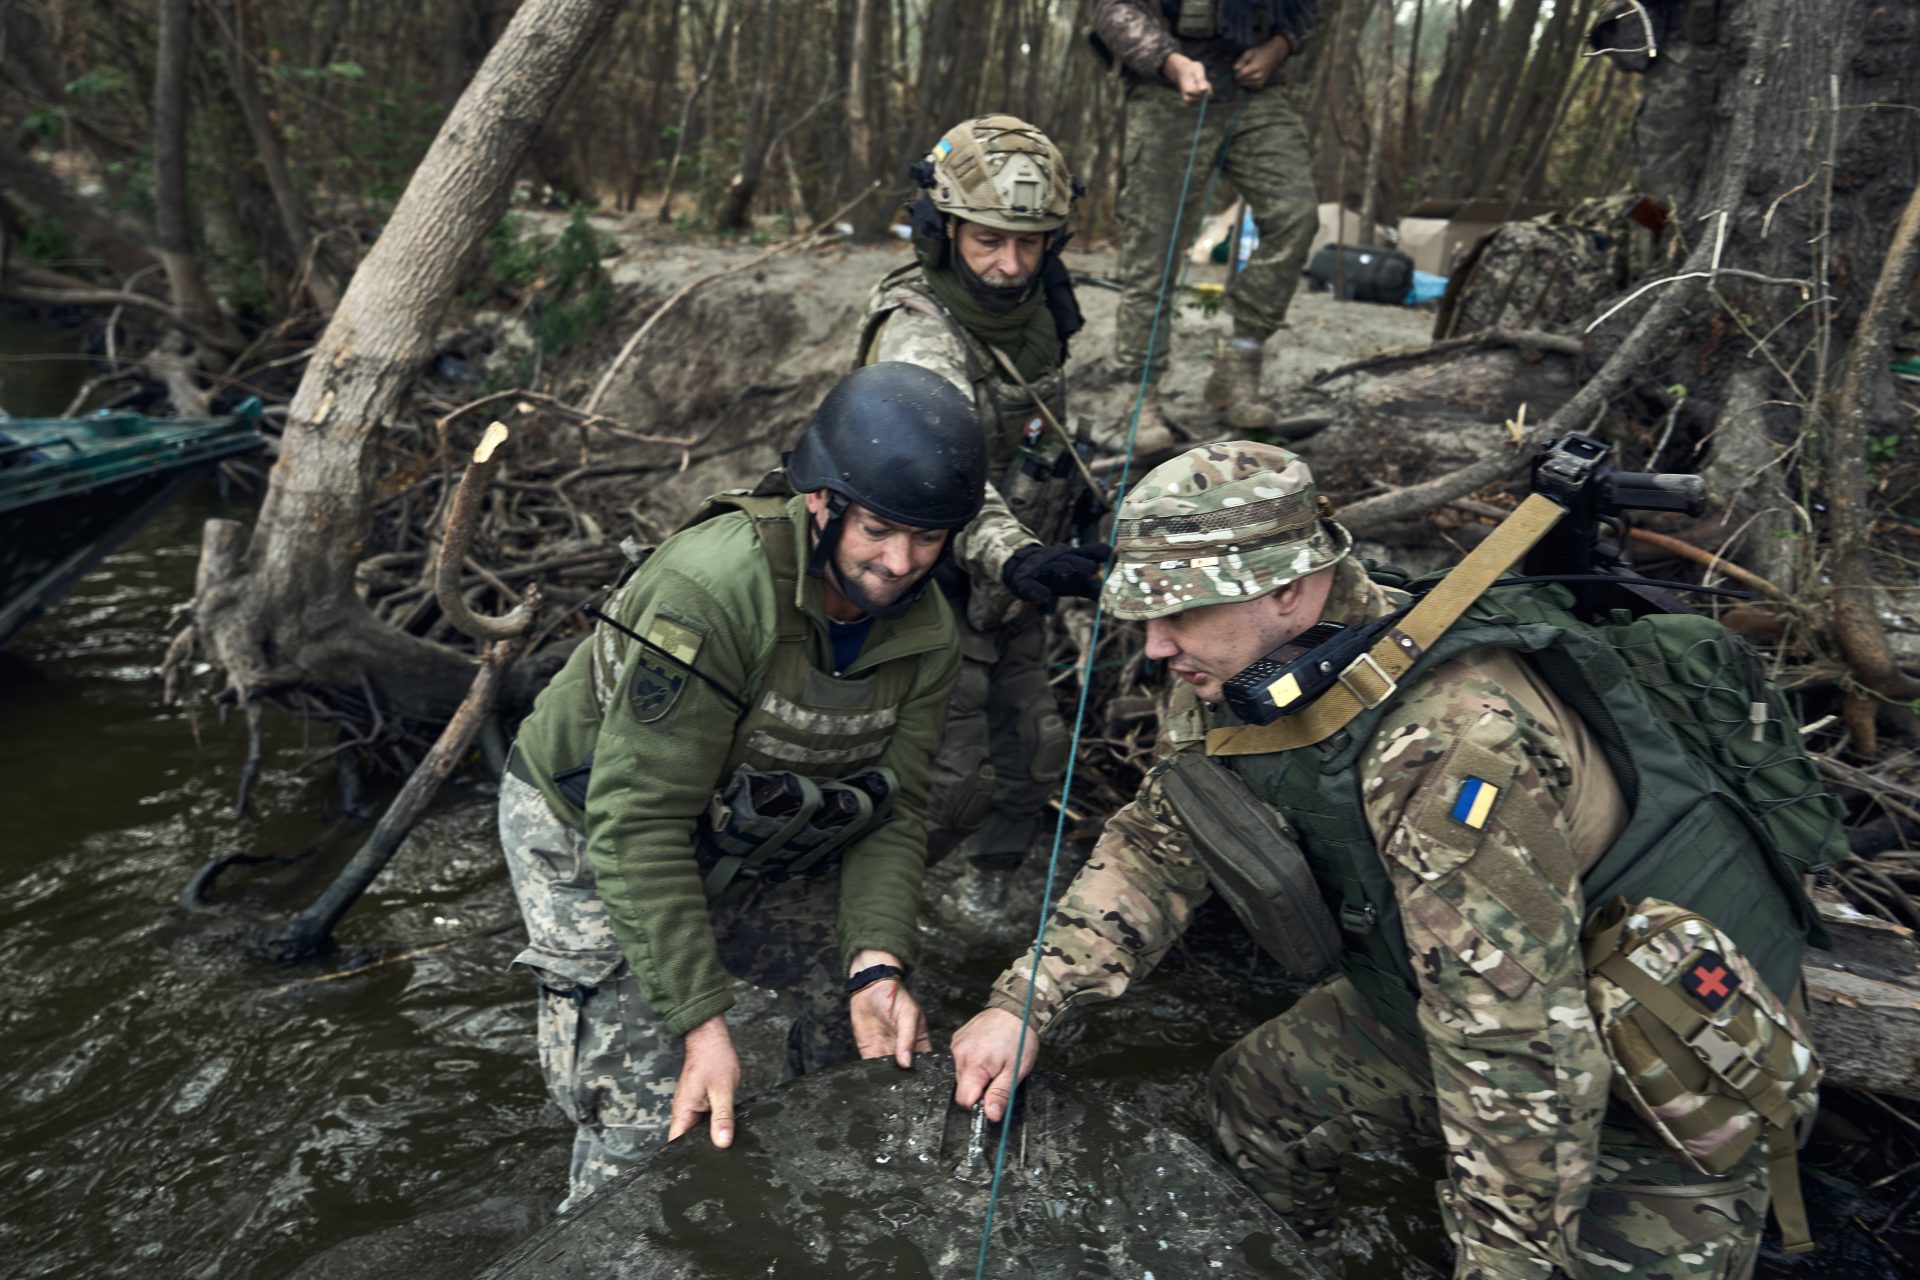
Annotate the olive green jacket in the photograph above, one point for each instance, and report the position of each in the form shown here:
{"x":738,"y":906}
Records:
{"x":660,"y":738}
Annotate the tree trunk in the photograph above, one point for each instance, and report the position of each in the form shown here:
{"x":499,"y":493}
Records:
{"x":864,"y":162}
{"x":290,"y":617}
{"x":310,"y":261}
{"x":173,"y":228}
{"x":1382,"y":87}
{"x":737,"y":209}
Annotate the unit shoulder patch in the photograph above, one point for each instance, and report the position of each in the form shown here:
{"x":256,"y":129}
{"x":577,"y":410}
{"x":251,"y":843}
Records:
{"x":654,"y":686}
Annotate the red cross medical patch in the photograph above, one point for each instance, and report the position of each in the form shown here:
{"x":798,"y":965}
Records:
{"x":1709,"y":979}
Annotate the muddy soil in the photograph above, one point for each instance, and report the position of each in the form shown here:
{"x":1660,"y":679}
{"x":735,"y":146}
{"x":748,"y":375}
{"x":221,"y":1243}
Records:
{"x":747,"y":357}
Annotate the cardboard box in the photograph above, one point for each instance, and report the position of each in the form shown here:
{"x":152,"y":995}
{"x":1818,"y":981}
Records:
{"x":1445,"y":229}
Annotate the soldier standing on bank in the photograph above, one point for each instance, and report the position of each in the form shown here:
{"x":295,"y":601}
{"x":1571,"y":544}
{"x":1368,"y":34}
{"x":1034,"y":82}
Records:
{"x":1439,"y":830}
{"x":988,"y":305}
{"x":737,"y":758}
{"x":1232,"y":53}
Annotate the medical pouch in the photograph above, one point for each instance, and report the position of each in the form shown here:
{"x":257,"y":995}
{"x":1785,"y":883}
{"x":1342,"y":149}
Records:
{"x":1706,"y":1056}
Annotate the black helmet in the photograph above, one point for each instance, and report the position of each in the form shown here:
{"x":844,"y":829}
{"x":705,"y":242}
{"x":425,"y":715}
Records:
{"x":901,"y":441}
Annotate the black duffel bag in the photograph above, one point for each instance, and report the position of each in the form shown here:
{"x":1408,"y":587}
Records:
{"x":1362,"y":275}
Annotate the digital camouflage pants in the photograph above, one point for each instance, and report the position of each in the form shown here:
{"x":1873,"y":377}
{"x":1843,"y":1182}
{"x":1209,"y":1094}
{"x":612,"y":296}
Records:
{"x":609,"y":1063}
{"x":1327,"y":1078}
{"x":1005,"y":747}
{"x":1269,"y":160}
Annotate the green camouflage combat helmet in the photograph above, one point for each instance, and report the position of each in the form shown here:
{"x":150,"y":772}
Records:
{"x":1220,"y":524}
{"x":999,"y":171}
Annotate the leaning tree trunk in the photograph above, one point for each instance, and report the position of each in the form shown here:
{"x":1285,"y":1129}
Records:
{"x":288,"y":616}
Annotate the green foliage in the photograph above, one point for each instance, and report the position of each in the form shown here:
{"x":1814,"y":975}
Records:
{"x":47,"y":242}
{"x":1884,"y":450}
{"x":98,"y":82}
{"x":564,"y":289}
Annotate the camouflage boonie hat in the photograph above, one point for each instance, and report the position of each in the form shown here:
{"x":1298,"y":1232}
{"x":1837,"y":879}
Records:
{"x":1220,"y":524}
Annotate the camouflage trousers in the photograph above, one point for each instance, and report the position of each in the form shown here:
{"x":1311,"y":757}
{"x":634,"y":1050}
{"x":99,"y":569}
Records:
{"x":1327,"y":1078}
{"x":610,"y":1064}
{"x":1005,"y":747}
{"x":1269,"y":160}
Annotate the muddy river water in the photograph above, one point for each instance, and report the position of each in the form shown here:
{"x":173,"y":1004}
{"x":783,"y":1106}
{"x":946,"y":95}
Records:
{"x":174,"y":1105}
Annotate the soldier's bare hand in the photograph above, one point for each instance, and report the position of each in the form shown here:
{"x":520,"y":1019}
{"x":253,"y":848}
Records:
{"x":887,"y":1020}
{"x":1252,"y":69}
{"x":983,"y":1059}
{"x":1188,"y":76}
{"x":709,"y":1077}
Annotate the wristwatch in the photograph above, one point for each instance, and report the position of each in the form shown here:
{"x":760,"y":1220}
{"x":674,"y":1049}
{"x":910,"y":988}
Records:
{"x":871,"y":974}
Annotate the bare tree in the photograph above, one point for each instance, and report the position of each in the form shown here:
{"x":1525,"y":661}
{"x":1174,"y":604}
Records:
{"x":286,"y":615}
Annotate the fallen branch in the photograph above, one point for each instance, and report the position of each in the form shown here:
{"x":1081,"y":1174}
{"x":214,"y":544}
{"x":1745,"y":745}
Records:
{"x":309,"y":931}
{"x":1856,"y":625}
{"x":454,"y":547}
{"x":1524,"y":339}
{"x":1659,"y":542}
{"x":639,"y":335}
{"x":51,"y":288}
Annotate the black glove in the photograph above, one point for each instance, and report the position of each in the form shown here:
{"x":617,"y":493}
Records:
{"x":1040,"y":575}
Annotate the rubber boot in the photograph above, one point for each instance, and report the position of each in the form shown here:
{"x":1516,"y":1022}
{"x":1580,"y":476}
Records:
{"x":1233,"y":387}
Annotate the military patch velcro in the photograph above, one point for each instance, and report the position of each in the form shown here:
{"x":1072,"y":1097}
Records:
{"x":654,"y":684}
{"x":670,"y":637}
{"x":1473,"y":803}
{"x":1710,"y":980}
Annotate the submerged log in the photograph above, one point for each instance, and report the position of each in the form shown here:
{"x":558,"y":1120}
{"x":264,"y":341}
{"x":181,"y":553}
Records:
{"x":1864,"y":996}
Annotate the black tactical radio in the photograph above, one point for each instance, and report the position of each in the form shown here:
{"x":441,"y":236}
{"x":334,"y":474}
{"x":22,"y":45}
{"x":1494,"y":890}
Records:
{"x":1299,"y":671}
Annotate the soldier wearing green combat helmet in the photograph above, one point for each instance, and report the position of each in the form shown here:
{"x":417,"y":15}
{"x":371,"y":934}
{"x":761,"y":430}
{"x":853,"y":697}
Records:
{"x":988,"y":305}
{"x":1422,"y":835}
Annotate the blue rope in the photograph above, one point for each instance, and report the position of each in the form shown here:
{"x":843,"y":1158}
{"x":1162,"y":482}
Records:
{"x":1080,"y":712}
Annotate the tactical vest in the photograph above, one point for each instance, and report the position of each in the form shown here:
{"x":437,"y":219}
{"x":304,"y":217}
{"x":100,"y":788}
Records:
{"x":1026,"y":457}
{"x":1688,"y":839}
{"x":799,"y":718}
{"x":808,"y":741}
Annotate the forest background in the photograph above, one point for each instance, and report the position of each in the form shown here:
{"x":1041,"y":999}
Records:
{"x":300,"y":125}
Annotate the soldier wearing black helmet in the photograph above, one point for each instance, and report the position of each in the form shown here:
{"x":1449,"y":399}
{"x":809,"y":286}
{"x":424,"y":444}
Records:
{"x":730,"y":776}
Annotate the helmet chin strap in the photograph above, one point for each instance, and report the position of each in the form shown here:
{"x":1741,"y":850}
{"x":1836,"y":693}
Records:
{"x":823,"y":559}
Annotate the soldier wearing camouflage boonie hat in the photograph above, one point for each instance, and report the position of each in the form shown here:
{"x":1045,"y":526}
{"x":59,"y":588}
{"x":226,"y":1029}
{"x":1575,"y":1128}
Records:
{"x":1220,"y":524}
{"x":1473,"y":797}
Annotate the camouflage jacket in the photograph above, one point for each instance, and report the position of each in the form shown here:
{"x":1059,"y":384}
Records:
{"x":659,"y":743}
{"x":1520,"y":1075}
{"x":897,"y":331}
{"x":1138,"y":36}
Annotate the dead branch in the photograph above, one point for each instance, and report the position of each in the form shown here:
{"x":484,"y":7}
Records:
{"x":1856,"y":623}
{"x":54,"y":289}
{"x":1524,"y":339}
{"x":1707,"y":559}
{"x":454,"y":546}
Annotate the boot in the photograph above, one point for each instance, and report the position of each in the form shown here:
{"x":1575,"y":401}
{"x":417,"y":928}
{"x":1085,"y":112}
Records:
{"x":1155,"y":435}
{"x":1233,"y":388}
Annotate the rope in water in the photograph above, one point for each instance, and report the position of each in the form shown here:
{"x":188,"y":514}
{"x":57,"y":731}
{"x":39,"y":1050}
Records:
{"x":1080,"y":712}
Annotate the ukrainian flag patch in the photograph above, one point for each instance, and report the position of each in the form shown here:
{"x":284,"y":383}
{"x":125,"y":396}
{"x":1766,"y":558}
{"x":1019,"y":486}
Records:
{"x":1474,"y":803}
{"x":944,"y":147}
